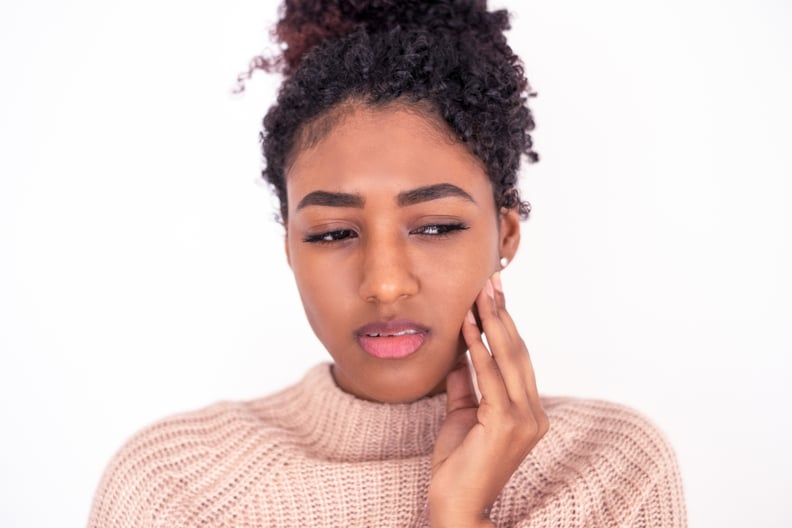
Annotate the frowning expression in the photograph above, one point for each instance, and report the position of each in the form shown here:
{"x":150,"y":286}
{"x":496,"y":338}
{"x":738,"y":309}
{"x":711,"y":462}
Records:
{"x":391,"y":233}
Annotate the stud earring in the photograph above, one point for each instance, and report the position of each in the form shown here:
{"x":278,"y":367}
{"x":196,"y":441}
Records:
{"x":504,"y":262}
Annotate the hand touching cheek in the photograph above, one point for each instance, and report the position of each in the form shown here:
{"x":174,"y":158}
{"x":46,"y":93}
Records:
{"x":482,"y":443}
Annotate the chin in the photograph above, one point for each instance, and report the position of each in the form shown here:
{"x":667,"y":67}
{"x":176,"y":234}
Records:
{"x":400,"y":395}
{"x":408,"y":383}
{"x":401,"y":380}
{"x":391,"y":381}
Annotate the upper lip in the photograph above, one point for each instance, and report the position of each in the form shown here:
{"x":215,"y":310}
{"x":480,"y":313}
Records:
{"x":389,"y":328}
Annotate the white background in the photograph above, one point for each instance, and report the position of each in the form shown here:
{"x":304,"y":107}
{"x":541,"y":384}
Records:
{"x":141,"y":273}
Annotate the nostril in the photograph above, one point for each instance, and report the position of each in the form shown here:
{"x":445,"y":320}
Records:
{"x":386,"y":271}
{"x":394,"y":286}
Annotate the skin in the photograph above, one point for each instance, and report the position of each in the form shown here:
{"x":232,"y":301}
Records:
{"x":362,"y":255}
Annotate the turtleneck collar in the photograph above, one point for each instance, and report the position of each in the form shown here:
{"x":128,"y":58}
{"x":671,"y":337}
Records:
{"x":332,"y":424}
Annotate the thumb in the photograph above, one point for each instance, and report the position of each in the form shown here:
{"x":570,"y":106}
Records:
{"x":459,"y":388}
{"x":461,"y":409}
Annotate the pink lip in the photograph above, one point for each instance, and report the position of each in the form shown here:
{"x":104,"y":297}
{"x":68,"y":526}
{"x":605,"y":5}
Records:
{"x":391,"y":339}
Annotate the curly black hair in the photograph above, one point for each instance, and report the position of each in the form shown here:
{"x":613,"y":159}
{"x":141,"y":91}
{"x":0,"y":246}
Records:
{"x":447,"y":59}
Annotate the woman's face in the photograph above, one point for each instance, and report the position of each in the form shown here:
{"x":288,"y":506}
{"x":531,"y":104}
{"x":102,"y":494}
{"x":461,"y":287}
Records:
{"x":391,"y":234}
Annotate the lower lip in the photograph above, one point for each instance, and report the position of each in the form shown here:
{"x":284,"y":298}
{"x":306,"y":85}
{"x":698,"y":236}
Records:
{"x":392,"y":347}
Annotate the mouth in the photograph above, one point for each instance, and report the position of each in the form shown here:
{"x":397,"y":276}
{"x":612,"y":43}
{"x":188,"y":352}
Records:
{"x":391,"y":339}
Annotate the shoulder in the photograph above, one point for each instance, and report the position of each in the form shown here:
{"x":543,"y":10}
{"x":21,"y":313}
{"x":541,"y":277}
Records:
{"x":619,"y":441}
{"x":159,"y":465}
{"x":601,"y":425}
{"x":605,"y":460}
{"x":184,"y":435}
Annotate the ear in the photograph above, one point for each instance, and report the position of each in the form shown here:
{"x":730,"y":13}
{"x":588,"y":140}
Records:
{"x":509,"y":234}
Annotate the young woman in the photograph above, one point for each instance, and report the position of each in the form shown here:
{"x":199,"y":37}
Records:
{"x":394,"y":148}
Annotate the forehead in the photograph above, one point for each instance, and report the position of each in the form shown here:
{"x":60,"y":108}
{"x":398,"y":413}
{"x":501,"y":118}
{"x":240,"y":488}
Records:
{"x":384,"y":149}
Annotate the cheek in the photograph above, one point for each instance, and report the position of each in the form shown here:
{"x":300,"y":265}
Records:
{"x":454,"y":285}
{"x":315,"y":288}
{"x":325,"y":298}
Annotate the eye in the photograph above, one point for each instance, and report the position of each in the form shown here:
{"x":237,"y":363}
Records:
{"x":439,"y":230}
{"x":328,"y":237}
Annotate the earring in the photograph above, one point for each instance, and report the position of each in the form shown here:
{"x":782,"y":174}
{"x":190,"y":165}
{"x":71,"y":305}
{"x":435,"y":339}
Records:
{"x":504,"y":262}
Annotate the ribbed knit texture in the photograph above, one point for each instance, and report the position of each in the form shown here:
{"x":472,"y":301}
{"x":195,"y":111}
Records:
{"x":314,"y":456}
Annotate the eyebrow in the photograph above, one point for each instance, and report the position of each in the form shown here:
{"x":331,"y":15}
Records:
{"x":331,"y":199}
{"x":403,"y":199}
{"x":432,"y":192}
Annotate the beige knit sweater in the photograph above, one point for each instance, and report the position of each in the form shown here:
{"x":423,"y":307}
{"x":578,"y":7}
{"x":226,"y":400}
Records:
{"x":313,"y":456}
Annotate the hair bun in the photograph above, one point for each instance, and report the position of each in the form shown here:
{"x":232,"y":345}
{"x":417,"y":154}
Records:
{"x":306,"y":23}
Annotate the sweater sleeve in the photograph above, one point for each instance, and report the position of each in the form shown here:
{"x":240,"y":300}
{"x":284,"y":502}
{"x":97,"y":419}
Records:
{"x":664,"y":504}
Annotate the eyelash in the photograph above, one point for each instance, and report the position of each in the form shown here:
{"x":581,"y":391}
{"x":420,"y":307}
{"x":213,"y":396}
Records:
{"x":331,"y":237}
{"x":443,"y":230}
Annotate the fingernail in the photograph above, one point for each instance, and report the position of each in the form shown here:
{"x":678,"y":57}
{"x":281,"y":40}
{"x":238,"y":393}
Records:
{"x":496,"y":281}
{"x":490,"y":291}
{"x":469,"y":317}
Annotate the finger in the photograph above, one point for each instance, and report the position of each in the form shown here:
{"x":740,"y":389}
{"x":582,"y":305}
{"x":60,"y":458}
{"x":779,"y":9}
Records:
{"x":488,"y":374}
{"x":500,"y":302}
{"x":532,"y":394}
{"x":497,"y":285}
{"x":507,"y":349}
{"x":529,"y":376}
{"x":459,"y":388}
{"x":522,"y":358}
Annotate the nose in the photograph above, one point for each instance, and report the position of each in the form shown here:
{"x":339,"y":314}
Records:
{"x":387,"y":273}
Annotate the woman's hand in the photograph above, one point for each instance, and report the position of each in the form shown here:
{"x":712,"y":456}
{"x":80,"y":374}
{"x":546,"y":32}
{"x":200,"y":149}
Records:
{"x":482,"y":443}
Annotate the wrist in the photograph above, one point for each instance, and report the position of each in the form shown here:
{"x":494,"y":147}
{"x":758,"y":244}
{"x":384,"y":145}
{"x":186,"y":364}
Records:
{"x":454,"y":518}
{"x":456,"y":523}
{"x":455,"y":511}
